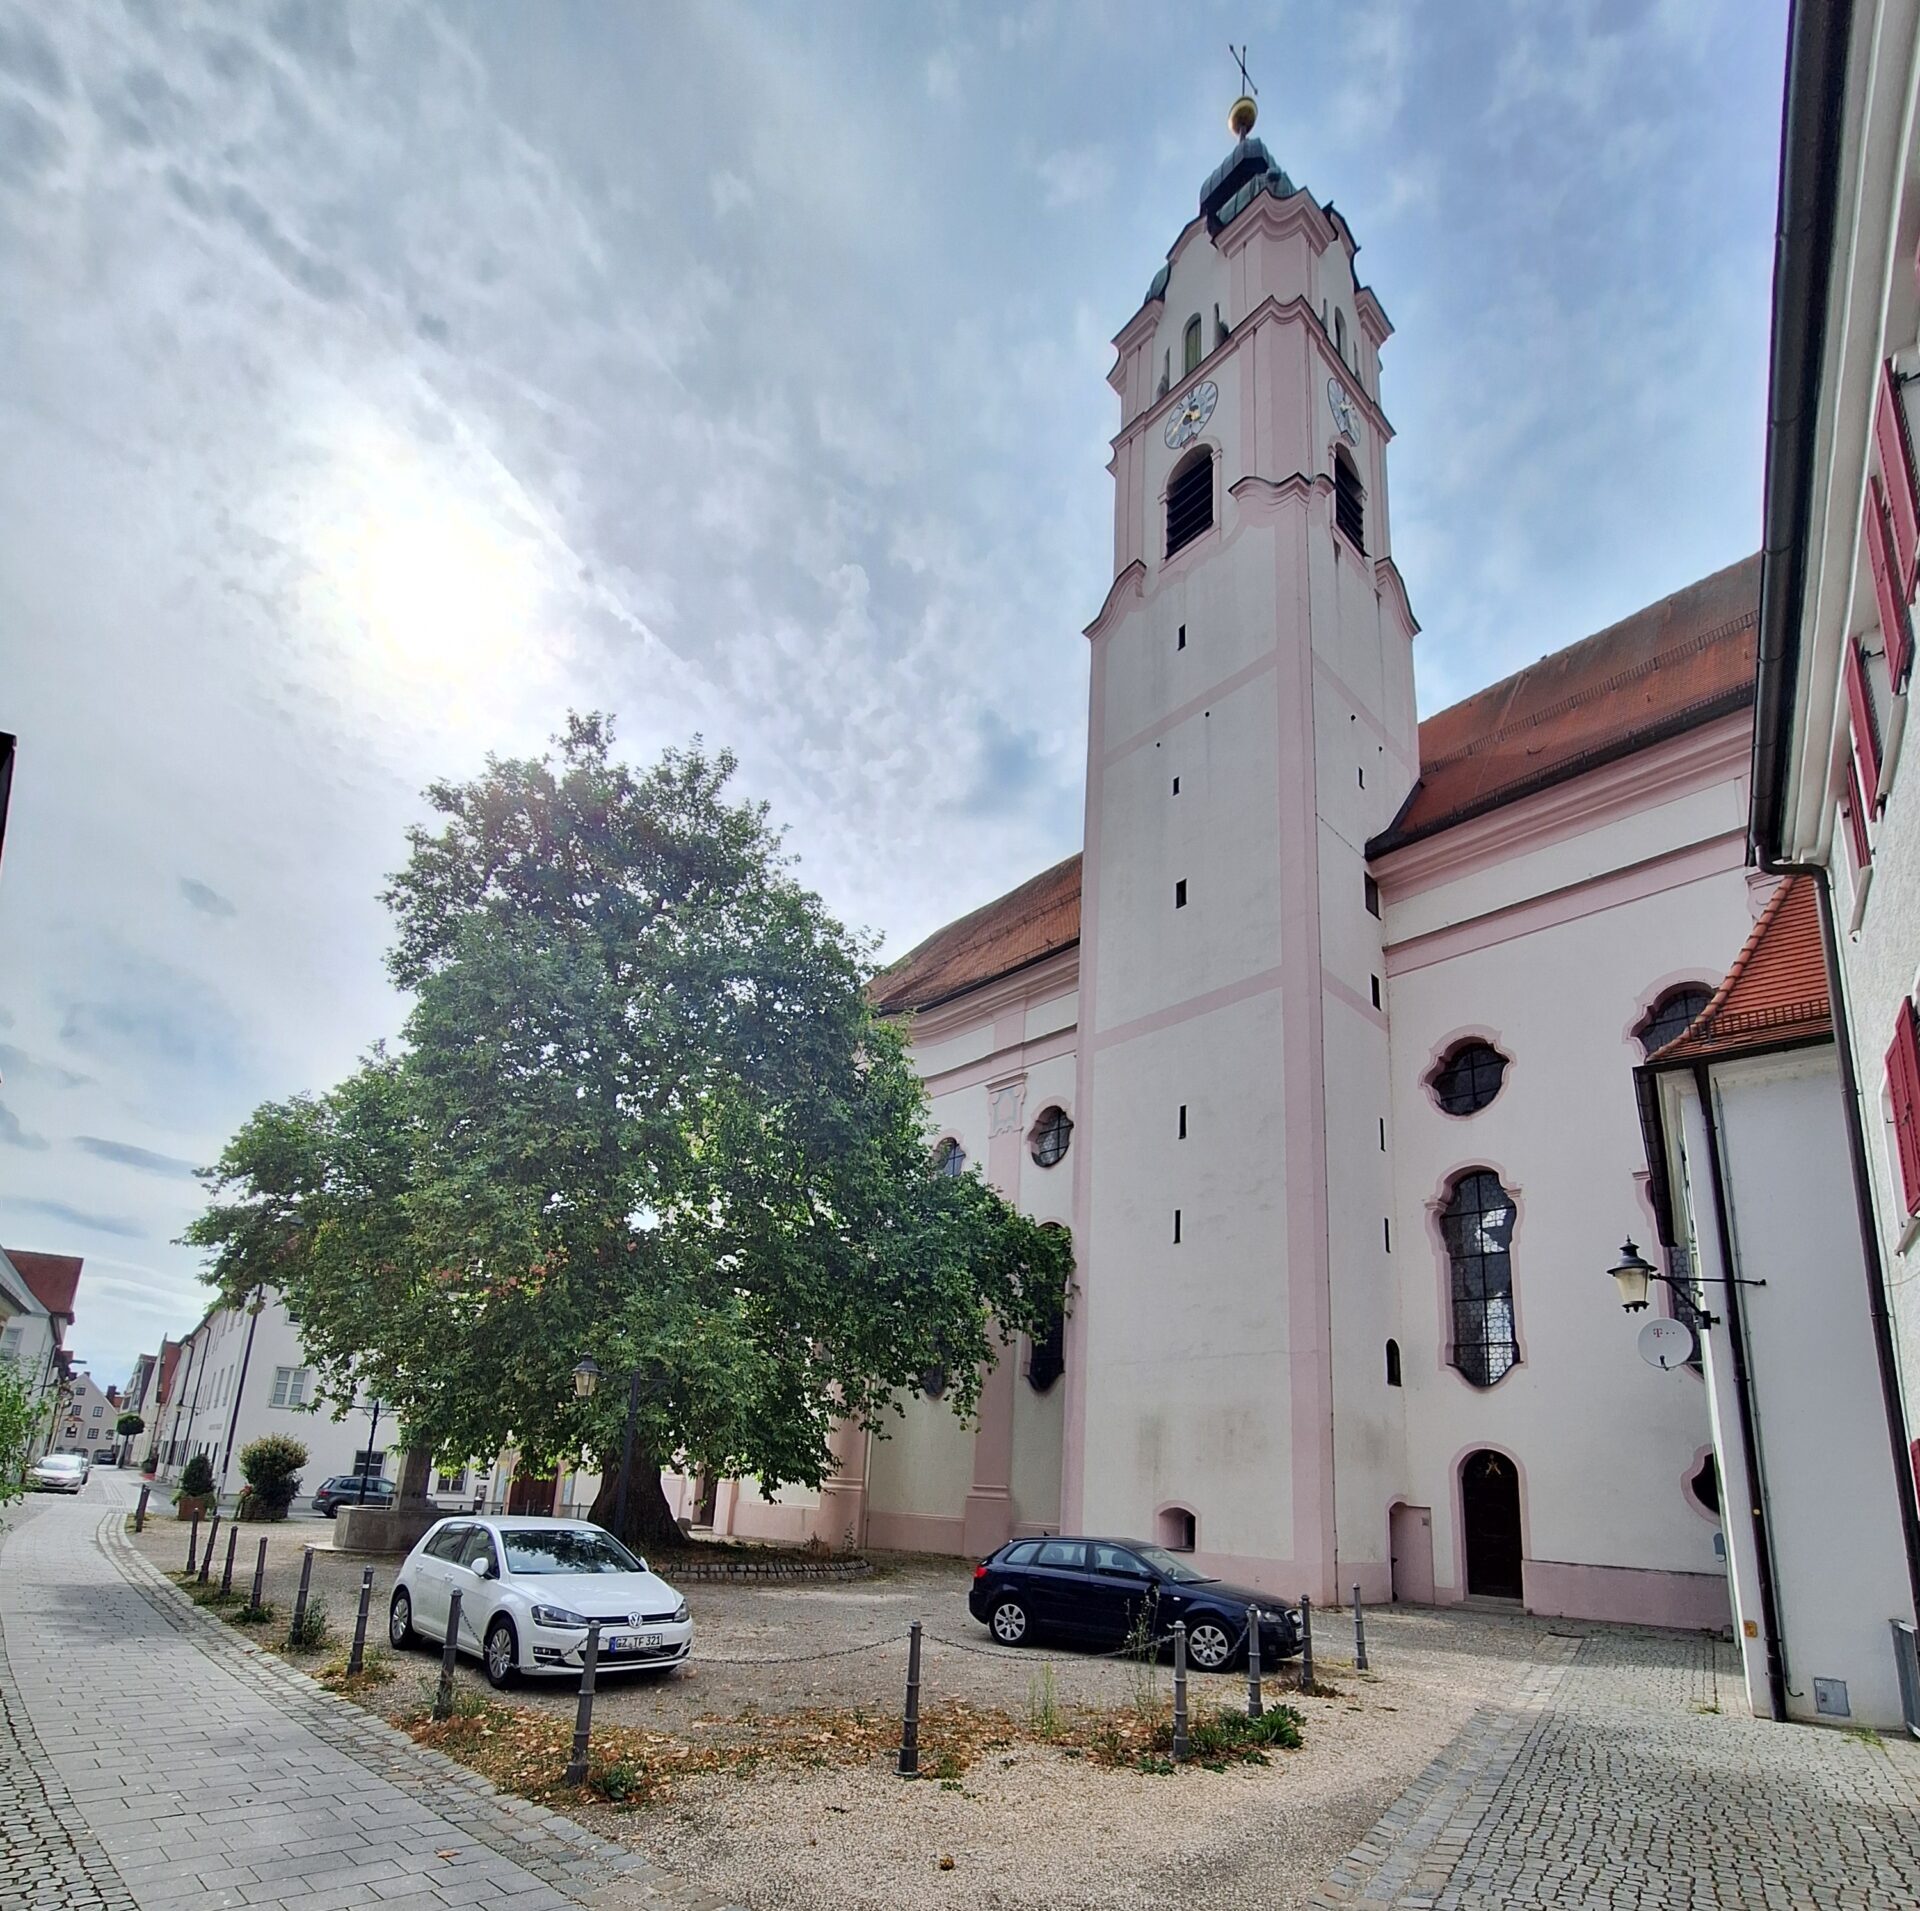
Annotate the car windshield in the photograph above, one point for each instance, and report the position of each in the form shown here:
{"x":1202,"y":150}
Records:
{"x":565,"y":1549}
{"x":1168,"y":1566}
{"x":63,"y":1462}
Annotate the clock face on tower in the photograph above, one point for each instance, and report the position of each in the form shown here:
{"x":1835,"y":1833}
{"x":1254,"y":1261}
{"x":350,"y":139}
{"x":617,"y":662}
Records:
{"x":1190,"y":413}
{"x":1344,"y":415}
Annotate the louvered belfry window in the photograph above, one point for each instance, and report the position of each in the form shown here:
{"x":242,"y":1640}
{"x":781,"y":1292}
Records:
{"x":1349,"y":514}
{"x":1190,"y":502}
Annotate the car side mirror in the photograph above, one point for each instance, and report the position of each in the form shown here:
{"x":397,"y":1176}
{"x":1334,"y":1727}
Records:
{"x":482,"y":1569}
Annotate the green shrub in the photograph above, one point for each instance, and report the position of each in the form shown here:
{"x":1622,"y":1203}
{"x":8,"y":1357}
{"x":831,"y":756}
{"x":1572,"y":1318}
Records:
{"x":196,"y":1478}
{"x":309,"y":1632}
{"x":271,"y":1466}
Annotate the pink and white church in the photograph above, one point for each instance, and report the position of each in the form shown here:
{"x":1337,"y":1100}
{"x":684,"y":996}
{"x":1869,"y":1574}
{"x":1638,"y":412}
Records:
{"x":1325,"y":1045}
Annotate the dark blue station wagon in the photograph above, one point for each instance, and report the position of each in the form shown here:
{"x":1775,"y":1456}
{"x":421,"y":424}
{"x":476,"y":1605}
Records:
{"x":1095,"y":1591}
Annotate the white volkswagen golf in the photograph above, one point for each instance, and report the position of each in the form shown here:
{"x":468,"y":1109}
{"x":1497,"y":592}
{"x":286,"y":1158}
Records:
{"x":528,"y":1588}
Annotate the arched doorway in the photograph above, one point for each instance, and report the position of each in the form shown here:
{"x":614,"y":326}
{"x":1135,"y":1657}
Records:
{"x":1490,"y":1516}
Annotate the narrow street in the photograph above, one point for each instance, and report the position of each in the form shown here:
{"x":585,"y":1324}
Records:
{"x":151,"y":1760}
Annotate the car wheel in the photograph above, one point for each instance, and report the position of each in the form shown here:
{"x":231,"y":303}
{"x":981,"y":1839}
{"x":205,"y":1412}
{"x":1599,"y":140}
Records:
{"x":1008,"y":1622}
{"x":333,"y":1511}
{"x":1208,"y":1645}
{"x":502,"y":1656}
{"x":400,"y":1633}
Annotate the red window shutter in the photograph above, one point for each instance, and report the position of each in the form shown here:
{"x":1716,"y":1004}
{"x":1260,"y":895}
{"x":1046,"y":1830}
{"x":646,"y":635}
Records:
{"x":1896,"y":470}
{"x":1866,"y":731}
{"x":1903,"y":1084}
{"x":1895,"y":630}
{"x":1857,"y":818}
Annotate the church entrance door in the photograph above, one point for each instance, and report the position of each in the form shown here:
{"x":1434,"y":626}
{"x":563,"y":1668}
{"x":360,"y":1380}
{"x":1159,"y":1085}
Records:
{"x":1490,"y":1515}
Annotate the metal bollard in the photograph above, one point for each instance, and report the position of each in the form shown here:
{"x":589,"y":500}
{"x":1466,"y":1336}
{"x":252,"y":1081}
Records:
{"x":193,"y":1543}
{"x":443,"y":1699}
{"x":300,"y":1598}
{"x":576,"y":1773}
{"x":357,"y":1657}
{"x":140,"y":1511}
{"x":1179,"y":1691}
{"x":226,"y":1569}
{"x":1359,"y":1633}
{"x":1254,"y":1706}
{"x":910,"y":1718}
{"x":1306,"y":1643}
{"x":206,"y":1558}
{"x":259,"y":1574}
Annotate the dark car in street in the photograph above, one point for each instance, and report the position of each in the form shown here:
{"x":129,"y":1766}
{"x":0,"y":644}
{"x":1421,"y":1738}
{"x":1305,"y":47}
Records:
{"x":1105,"y":1592}
{"x":349,"y":1489}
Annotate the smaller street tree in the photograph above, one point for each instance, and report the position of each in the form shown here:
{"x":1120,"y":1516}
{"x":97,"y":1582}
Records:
{"x":19,"y":1421}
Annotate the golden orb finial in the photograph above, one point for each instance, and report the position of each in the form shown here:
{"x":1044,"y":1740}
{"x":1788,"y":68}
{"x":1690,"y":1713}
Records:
{"x":1240,"y":119}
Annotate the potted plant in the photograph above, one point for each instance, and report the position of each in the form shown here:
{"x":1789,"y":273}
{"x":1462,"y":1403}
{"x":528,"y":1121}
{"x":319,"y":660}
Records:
{"x":196,"y":1488}
{"x":271,"y":1466}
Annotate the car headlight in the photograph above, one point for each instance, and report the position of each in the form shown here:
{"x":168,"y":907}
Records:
{"x":557,"y":1616}
{"x":680,"y":1614}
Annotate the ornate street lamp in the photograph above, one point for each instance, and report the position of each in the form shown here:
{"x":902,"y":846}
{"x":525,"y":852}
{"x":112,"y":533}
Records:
{"x":1631,"y":1274}
{"x":586,"y":1379}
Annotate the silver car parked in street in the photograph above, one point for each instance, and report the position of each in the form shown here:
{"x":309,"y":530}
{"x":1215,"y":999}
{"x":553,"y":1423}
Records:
{"x":58,"y":1473}
{"x":528,"y":1588}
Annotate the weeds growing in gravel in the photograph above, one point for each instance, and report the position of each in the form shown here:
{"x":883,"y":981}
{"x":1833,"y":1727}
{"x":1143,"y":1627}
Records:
{"x":252,"y":1615}
{"x":1043,"y":1703}
{"x":375,"y":1670}
{"x":308,"y":1633}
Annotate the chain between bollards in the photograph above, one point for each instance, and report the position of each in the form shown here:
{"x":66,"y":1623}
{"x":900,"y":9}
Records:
{"x":357,"y":1657}
{"x":1359,"y":1632}
{"x":206,"y":1558}
{"x":193,"y":1543}
{"x":300,"y":1598}
{"x":1306,"y":1643}
{"x":140,"y":1511}
{"x":1254,"y":1706}
{"x":226,"y":1569}
{"x":1179,"y":1691}
{"x":583,"y":1720}
{"x":443,"y":1699}
{"x":910,"y":1718}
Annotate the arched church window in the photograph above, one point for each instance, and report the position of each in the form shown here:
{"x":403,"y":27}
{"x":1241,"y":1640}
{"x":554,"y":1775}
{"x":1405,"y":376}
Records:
{"x":1051,"y":1133}
{"x":1190,"y":501}
{"x":1468,"y":1078}
{"x":1675,"y":1012}
{"x":950,"y":1158}
{"x":1393,"y":1363}
{"x":1047,"y":1357}
{"x":1705,"y":1485}
{"x":1349,"y":515}
{"x":1340,"y":333}
{"x":1192,"y":350}
{"x":1477,"y":1226}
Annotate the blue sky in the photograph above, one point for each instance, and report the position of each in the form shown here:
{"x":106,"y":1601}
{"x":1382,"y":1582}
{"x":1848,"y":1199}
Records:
{"x":378,"y":381}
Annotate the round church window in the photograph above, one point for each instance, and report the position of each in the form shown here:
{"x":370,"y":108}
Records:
{"x":1051,"y":1133}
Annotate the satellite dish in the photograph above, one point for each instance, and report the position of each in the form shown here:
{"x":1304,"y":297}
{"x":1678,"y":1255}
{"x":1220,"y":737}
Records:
{"x":1666,"y":1344}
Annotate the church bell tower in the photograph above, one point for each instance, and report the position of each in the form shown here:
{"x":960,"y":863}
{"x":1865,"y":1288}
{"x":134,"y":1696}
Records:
{"x":1251,"y":726}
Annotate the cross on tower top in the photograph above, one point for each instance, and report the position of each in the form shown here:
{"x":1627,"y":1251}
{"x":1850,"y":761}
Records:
{"x":1240,"y":119}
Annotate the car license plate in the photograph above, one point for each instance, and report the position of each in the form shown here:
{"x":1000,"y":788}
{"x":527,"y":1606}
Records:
{"x":633,"y":1642}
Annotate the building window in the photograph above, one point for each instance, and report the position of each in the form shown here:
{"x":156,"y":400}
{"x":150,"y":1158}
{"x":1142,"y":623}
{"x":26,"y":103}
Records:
{"x":1393,"y":1363}
{"x":370,"y":1461}
{"x":933,"y":1383}
{"x":290,"y":1386}
{"x":1051,"y":1133}
{"x":450,"y":1482}
{"x":1219,"y":329}
{"x":950,"y":1159}
{"x":1179,"y":1531}
{"x":1370,"y":893}
{"x":1176,"y":1227}
{"x":1468,"y":1078}
{"x":1183,"y":1121}
{"x":96,"y":1413}
{"x":1375,"y":980}
{"x":93,"y":1433}
{"x":1903,"y":1094}
{"x":1705,"y":1485}
{"x":1340,"y":334}
{"x":1191,"y":351}
{"x":1047,"y":1357}
{"x":1166,"y":372}
{"x":1477,"y":1226}
{"x":1349,"y":514}
{"x":1671,"y":1016}
{"x":1180,"y":893}
{"x":1190,"y":501}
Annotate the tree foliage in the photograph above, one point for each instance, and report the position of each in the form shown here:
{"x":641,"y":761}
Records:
{"x":271,"y":1467}
{"x":642,"y":1112}
{"x":21,"y":1415}
{"x":129,"y":1424}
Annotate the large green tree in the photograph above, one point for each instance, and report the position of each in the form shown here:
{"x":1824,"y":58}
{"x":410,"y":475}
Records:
{"x":642,"y":1112}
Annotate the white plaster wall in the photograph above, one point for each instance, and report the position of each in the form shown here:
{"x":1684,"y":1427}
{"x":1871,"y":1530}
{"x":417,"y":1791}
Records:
{"x":923,"y":1463}
{"x":1825,"y":1460}
{"x":1197,"y":281}
{"x":1604,"y":1442}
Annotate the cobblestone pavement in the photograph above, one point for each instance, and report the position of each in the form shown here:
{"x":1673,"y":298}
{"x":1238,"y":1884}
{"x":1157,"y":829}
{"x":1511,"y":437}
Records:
{"x":1614,"y":1779}
{"x":152,"y":1760}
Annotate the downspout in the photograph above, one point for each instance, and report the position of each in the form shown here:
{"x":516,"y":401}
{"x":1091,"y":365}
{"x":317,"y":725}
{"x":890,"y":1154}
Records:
{"x":240,"y":1390}
{"x":1743,"y":1393}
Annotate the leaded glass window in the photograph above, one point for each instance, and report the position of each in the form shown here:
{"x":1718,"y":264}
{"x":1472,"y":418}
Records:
{"x":950,"y":1158}
{"x":1672,"y":1016}
{"x":1477,"y":1226}
{"x":1051,"y":1133}
{"x":1469,"y":1076}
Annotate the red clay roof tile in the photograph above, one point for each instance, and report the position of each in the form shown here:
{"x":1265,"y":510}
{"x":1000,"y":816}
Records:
{"x":1776,"y":991}
{"x":53,"y":1278}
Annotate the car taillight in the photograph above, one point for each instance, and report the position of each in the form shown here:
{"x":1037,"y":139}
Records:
{"x":980,"y":1571}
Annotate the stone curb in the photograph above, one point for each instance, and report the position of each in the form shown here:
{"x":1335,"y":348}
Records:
{"x":709,"y":1572}
{"x":557,"y":1849}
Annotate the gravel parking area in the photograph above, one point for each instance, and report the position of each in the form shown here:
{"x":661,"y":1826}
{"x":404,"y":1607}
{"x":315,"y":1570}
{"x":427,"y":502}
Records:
{"x":1022,"y":1826}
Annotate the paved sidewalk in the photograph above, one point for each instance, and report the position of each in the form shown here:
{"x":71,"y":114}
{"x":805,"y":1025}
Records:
{"x":1614,"y":1780}
{"x":153,"y":1760}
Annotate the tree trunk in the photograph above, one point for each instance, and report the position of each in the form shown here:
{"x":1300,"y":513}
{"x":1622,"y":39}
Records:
{"x":650,"y":1522}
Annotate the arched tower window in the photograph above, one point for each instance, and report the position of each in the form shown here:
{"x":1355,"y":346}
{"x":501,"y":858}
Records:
{"x":1193,"y":350}
{"x":1393,"y":1363}
{"x":1340,"y":334}
{"x":1190,"y":500}
{"x":1349,"y":514}
{"x":1477,"y":1226}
